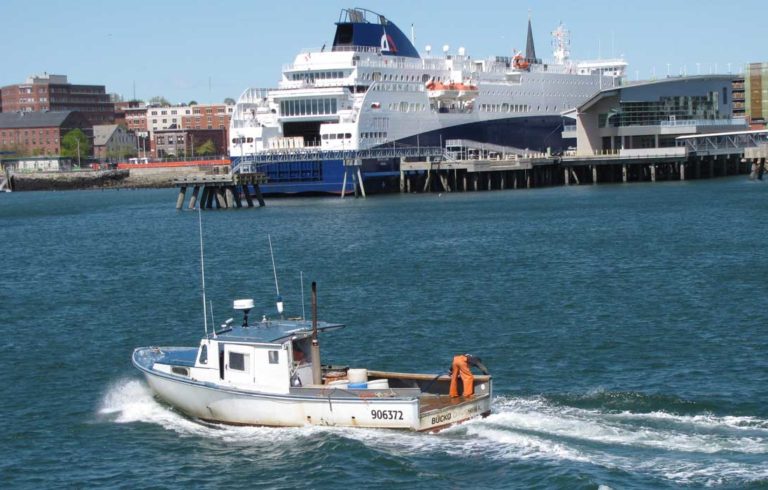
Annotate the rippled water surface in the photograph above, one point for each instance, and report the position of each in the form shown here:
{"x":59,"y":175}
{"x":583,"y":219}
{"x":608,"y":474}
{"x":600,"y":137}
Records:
{"x":626,"y":327}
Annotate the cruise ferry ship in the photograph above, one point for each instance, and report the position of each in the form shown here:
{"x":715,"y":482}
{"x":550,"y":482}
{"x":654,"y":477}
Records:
{"x":373,"y":89}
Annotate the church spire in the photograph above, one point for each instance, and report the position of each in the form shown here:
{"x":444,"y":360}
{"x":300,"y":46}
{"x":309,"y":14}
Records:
{"x":530,"y":50}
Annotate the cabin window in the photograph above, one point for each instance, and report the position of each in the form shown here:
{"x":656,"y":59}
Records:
{"x":204,"y":354}
{"x":180,"y":370}
{"x":237,"y":361}
{"x":274,"y":357}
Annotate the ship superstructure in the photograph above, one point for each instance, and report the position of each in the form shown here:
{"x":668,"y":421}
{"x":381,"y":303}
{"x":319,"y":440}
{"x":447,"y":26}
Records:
{"x":372,"y":88}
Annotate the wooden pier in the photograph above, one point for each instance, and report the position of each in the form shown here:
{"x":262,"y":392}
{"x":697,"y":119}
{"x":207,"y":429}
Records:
{"x":221,"y":191}
{"x":515,"y":172}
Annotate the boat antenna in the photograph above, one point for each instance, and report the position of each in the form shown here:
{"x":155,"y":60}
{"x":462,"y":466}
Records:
{"x":279,"y":300}
{"x":303,"y":311}
{"x":210,"y":308}
{"x":317,"y":375}
{"x":202,"y":266}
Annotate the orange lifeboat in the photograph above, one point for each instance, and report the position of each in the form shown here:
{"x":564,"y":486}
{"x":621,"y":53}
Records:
{"x":520,"y":63}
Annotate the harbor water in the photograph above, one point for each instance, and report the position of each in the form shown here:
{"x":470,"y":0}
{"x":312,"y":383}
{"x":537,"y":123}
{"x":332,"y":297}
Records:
{"x":626,"y":327}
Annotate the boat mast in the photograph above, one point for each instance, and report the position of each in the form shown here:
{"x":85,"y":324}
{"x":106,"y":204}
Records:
{"x":202,"y":266}
{"x":279,"y":300}
{"x":317,"y":376}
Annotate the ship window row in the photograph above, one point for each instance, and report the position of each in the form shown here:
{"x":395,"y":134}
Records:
{"x":407,"y":107}
{"x":373,"y":135}
{"x":339,"y":136}
{"x":398,"y":87}
{"x":241,"y":140}
{"x":307,"y":107}
{"x":509,"y":108}
{"x":391,"y":77}
{"x":319,"y":75}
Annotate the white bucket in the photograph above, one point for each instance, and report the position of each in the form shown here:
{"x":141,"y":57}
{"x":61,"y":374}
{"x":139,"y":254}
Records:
{"x":357,"y":375}
{"x":378,"y":384}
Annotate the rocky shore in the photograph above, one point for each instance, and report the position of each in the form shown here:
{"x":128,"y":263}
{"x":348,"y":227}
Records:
{"x":141,"y":178}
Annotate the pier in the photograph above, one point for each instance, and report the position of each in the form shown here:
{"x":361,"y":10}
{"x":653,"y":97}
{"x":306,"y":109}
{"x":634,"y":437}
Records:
{"x":225,"y":191}
{"x":694,"y":157}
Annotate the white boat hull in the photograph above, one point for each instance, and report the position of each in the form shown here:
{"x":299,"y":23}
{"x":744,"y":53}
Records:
{"x":319,"y":406}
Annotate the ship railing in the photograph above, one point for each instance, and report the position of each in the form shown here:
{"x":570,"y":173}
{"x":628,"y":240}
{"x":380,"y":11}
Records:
{"x":736,"y":121}
{"x":253,"y":163}
{"x":357,"y":49}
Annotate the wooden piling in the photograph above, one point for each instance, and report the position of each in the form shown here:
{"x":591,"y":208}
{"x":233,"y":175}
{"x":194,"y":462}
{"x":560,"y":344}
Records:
{"x":653,"y":173}
{"x":182,"y":195}
{"x":594,"y":174}
{"x":624,"y":173}
{"x":229,"y":197}
{"x":259,"y":197}
{"x":193,"y":197}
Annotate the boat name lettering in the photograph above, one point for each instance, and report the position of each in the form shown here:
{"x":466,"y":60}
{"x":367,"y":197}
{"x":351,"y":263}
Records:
{"x":441,"y":418}
{"x":387,"y":414}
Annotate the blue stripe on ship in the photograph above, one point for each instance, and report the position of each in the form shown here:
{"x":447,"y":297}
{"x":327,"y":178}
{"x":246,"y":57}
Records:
{"x":536,"y":133}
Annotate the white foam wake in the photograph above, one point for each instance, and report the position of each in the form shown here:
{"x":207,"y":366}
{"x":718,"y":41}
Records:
{"x":700,"y":449}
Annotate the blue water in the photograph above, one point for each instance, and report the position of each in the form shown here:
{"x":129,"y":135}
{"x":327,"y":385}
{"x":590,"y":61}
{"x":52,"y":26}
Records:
{"x":626,"y":327}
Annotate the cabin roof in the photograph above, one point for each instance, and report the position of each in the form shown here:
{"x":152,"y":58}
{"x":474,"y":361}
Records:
{"x":271,"y":331}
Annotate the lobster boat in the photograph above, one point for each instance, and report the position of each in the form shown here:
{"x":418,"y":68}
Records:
{"x":269,"y":373}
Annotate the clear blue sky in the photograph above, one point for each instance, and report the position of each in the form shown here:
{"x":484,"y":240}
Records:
{"x":174,"y":47}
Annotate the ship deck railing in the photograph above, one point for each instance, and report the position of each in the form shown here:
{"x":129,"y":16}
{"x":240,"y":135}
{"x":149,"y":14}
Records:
{"x":252,"y":163}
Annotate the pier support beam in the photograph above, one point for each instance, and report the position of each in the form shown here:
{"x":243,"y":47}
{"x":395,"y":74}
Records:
{"x":624,"y":173}
{"x":566,"y":176}
{"x":182,"y":195}
{"x":402,"y":181}
{"x":594,"y":174}
{"x":247,"y":194}
{"x":229,"y":197}
{"x":209,"y":197}
{"x":360,"y":181}
{"x":193,"y":197}
{"x":653,"y":173}
{"x":259,"y":197}
{"x":682,"y":170}
{"x":221,"y":201}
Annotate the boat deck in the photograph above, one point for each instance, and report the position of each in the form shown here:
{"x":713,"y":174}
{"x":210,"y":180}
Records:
{"x":427,"y":403}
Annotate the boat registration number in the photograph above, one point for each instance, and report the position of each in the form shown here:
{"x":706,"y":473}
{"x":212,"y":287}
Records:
{"x":387,"y":414}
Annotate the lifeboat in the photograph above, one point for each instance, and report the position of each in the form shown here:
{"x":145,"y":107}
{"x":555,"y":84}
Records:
{"x":466,"y":91}
{"x":520,"y":63}
{"x":442,"y":91}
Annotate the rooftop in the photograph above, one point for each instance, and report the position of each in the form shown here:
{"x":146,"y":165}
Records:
{"x":12,"y":120}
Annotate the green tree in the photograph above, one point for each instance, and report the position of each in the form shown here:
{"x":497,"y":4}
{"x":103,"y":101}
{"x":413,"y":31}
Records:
{"x":159,"y":100}
{"x":69,"y":144}
{"x":192,"y":102}
{"x":207,"y":148}
{"x":229,"y":101}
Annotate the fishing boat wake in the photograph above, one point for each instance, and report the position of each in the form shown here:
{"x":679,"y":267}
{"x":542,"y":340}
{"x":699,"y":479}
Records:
{"x":700,"y":448}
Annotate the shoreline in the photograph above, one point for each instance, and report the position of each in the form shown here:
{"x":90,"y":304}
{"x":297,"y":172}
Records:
{"x":134,"y":178}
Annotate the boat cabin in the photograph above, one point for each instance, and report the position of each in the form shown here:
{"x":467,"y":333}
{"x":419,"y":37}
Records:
{"x":269,"y":356}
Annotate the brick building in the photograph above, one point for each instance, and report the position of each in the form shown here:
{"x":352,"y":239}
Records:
{"x":184,"y":143}
{"x":187,"y":118}
{"x":54,"y":93}
{"x":39,"y":133}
